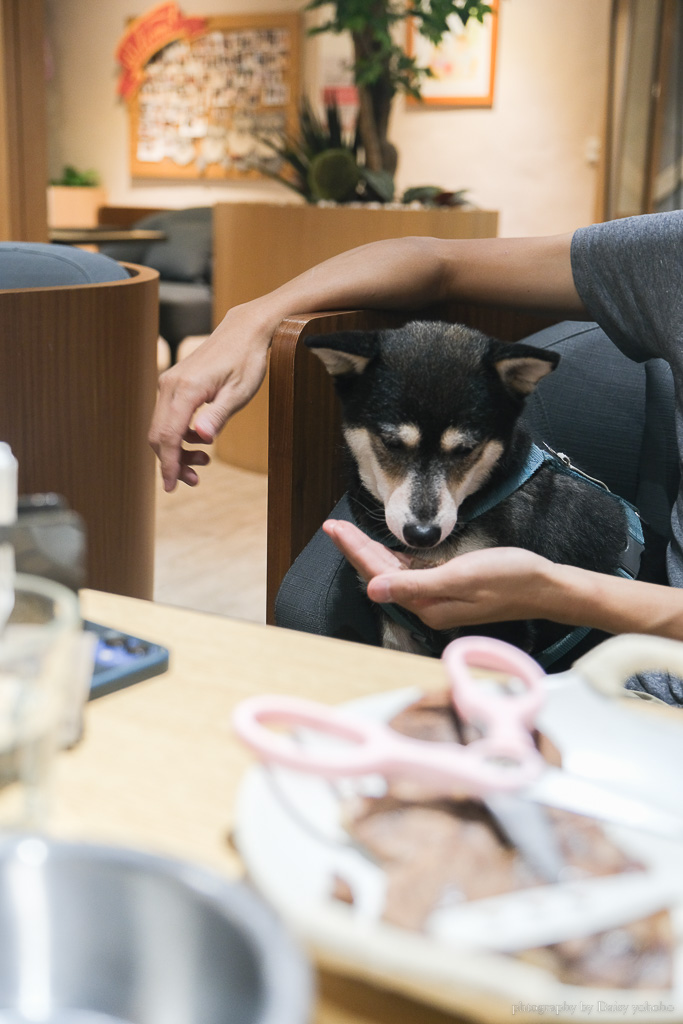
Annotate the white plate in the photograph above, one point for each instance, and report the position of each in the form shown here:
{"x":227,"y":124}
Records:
{"x":289,"y":835}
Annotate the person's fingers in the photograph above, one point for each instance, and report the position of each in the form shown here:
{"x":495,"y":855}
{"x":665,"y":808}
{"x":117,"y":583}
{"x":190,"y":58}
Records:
{"x":239,"y":387}
{"x":175,"y":408}
{"x":403,"y":588}
{"x":195,"y":457}
{"x":193,"y":436}
{"x":367,"y":556}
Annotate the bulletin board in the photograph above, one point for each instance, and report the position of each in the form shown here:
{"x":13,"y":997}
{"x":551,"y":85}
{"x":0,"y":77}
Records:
{"x":203,"y":101}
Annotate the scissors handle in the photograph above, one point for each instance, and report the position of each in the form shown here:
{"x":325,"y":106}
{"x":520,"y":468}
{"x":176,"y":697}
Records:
{"x":449,"y":768}
{"x":507,"y":719}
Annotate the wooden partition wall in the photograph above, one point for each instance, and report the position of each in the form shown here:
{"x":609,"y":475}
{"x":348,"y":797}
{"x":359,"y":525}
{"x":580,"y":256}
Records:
{"x":23,"y":122}
{"x":77,"y":391}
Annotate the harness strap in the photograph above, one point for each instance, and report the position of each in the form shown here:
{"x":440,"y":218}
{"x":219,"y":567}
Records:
{"x":629,"y":563}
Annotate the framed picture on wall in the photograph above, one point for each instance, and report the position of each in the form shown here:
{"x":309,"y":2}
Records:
{"x":463,"y":65}
{"x":204,"y":99}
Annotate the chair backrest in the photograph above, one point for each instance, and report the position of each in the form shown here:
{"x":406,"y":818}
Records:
{"x":186,"y":252}
{"x":77,"y":393}
{"x":305,"y":477}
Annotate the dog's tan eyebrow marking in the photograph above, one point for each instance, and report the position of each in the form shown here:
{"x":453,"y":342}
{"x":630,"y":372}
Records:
{"x":407,"y":433}
{"x":453,"y":438}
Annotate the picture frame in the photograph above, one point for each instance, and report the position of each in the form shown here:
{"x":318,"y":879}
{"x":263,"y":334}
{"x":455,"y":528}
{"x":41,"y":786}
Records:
{"x":464,"y":63}
{"x":167,"y":141}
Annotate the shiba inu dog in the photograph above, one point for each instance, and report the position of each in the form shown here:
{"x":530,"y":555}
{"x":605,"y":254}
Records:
{"x":440,"y":464}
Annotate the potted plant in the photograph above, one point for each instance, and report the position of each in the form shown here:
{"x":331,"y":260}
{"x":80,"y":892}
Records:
{"x":321,"y":164}
{"x":382,"y":67}
{"x":74,"y":199}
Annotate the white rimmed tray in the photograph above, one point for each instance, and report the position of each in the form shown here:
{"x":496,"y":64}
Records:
{"x":289,"y":835}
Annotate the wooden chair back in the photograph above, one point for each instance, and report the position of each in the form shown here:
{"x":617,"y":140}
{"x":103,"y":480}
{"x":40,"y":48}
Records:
{"x":305,"y":475}
{"x":77,"y":394}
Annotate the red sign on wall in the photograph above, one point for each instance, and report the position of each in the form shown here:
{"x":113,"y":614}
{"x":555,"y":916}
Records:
{"x":148,"y":34}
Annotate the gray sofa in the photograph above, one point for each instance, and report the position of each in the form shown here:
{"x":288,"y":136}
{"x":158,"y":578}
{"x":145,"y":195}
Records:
{"x":184,"y":262}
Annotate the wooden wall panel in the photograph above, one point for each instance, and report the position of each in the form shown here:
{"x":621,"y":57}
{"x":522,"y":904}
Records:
{"x":77,"y":392}
{"x":23,"y":122}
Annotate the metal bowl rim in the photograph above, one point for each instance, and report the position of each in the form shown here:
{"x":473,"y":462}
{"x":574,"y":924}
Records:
{"x":287,"y":974}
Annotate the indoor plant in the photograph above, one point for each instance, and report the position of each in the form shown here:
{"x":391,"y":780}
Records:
{"x":321,"y":163}
{"x":382,"y":67}
{"x":73,"y":200}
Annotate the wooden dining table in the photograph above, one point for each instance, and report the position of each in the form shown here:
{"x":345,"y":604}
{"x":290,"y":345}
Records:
{"x":97,"y":235}
{"x":159,"y":767}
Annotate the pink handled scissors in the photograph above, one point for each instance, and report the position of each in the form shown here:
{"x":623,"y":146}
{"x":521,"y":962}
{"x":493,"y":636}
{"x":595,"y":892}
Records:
{"x":504,"y":759}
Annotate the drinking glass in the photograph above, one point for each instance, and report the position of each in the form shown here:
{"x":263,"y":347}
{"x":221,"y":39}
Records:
{"x":42,"y":676}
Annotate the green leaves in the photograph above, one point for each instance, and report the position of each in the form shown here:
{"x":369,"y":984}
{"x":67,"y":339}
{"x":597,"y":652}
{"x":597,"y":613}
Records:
{"x":379,"y":185}
{"x":299,"y":154}
{"x":72,"y":177}
{"x":433,"y":195}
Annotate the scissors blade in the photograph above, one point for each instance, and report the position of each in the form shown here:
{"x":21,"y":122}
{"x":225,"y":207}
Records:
{"x":527,"y":827}
{"x":557,"y":788}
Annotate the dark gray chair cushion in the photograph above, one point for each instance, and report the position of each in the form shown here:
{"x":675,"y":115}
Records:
{"x":592,"y":406}
{"x":322,"y":594}
{"x":184,"y":262}
{"x":184,"y":309}
{"x":185,"y":254}
{"x":44,"y":265}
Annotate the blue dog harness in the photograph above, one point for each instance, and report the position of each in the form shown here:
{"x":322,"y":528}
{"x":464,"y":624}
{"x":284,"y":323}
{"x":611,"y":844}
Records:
{"x":629,"y":563}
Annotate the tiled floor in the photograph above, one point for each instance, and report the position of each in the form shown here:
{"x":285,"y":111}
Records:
{"x":211,"y":543}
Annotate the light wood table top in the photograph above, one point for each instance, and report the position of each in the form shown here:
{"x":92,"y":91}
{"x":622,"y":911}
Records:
{"x":73,"y":236}
{"x":159,"y":766}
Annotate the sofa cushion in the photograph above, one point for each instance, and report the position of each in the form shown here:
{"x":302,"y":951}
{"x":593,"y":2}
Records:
{"x":184,"y":309}
{"x":593,"y":406}
{"x":185,"y":255}
{"x":187,"y":251}
{"x":127,"y":252}
{"x":46,"y":265}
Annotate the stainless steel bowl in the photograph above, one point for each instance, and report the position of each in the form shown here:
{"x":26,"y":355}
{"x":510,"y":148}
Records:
{"x":101,"y":935}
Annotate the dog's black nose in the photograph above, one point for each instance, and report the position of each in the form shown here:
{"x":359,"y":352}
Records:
{"x":418,"y":535}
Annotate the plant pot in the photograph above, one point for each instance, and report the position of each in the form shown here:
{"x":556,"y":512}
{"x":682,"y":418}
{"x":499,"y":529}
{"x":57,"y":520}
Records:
{"x":74,"y":206}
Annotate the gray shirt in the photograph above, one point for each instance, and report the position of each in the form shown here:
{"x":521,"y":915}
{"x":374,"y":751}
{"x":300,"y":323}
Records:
{"x":629,"y":275}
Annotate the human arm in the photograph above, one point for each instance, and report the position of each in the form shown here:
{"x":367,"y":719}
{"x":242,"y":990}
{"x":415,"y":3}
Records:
{"x":503,"y":584}
{"x":222,"y":375}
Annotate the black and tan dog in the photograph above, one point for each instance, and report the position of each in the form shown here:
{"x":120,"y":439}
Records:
{"x":441,"y":465}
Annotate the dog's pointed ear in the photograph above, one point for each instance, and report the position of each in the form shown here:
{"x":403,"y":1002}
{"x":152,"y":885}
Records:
{"x":345,"y":352}
{"x":520,"y":367}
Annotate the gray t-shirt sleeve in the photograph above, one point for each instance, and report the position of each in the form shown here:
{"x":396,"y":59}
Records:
{"x":629,"y":275}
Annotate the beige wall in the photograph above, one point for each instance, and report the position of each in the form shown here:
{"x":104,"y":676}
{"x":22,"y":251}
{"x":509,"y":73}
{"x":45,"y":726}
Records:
{"x":529,"y":157}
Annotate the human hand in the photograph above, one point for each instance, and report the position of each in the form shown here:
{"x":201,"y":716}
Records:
{"x":490,"y":585}
{"x":213,"y":382}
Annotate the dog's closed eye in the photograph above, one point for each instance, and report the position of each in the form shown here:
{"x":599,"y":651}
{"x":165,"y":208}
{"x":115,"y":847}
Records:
{"x":400,"y":437}
{"x":392,"y":443}
{"x":461,"y":451}
{"x":458,"y":442}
